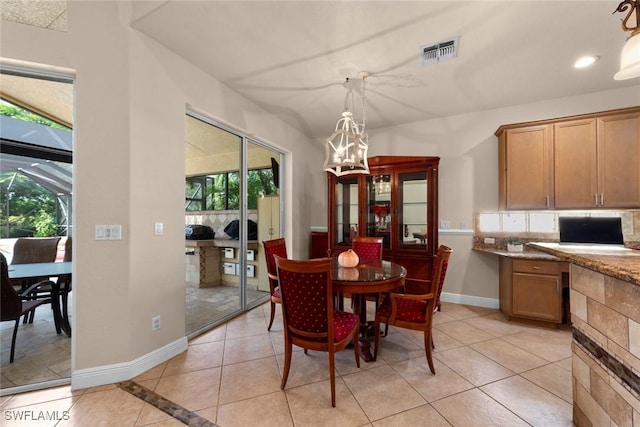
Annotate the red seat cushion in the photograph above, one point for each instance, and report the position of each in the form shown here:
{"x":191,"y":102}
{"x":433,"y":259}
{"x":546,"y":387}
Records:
{"x":408,"y":310}
{"x":343,"y":324}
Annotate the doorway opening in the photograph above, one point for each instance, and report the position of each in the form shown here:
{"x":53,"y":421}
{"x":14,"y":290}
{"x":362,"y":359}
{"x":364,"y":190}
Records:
{"x":36,"y":200}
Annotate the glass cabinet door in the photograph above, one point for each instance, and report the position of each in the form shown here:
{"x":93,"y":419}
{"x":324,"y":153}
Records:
{"x":412,"y":210}
{"x":346,"y":213}
{"x":379,"y":208}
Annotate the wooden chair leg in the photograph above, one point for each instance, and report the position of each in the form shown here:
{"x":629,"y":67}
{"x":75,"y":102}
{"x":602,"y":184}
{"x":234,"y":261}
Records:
{"x":287,"y":363}
{"x":376,"y":338}
{"x":332,"y":374}
{"x":273,"y":314}
{"x":428,"y":342}
{"x":356,"y":348}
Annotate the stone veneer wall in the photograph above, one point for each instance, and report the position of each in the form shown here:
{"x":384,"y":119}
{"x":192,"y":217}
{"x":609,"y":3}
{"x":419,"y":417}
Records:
{"x":605,"y":313}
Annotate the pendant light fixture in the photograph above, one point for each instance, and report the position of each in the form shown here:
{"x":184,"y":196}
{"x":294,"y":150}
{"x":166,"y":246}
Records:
{"x":630,"y":58}
{"x":346,"y":148}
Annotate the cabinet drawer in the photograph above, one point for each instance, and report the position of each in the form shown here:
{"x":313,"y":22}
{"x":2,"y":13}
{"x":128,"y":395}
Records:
{"x":537,"y":267}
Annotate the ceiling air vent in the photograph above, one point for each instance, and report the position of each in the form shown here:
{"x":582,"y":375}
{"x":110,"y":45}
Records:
{"x":440,"y":51}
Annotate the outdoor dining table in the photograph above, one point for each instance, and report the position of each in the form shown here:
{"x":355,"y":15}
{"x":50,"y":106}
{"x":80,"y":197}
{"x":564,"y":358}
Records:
{"x":369,"y":277}
{"x":48,"y":269}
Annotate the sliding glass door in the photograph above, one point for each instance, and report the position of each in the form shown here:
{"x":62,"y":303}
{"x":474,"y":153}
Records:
{"x":229,"y":178}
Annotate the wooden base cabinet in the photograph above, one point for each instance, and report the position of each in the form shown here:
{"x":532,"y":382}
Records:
{"x":398,"y":201}
{"x":531,"y":289}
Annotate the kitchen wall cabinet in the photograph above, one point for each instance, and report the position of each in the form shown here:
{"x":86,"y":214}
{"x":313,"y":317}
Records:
{"x":575,"y":164}
{"x":531,"y":289}
{"x":597,"y":162}
{"x":526,"y":171}
{"x":580,"y":162}
{"x":619,"y":160}
{"x":398,"y":201}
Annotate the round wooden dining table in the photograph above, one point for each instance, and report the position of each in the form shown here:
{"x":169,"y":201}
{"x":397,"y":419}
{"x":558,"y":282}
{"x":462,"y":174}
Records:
{"x":370,"y":277}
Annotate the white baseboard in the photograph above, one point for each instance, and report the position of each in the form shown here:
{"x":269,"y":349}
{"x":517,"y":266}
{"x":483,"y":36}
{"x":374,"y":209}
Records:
{"x":101,"y":375}
{"x":470,"y":300}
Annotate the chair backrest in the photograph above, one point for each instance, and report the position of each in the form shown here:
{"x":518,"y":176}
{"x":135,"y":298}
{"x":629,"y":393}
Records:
{"x":67,"y":249}
{"x":274,"y":247}
{"x":10,"y":303}
{"x":307,"y":298}
{"x":29,"y":250}
{"x":440,"y":264}
{"x":367,"y":248}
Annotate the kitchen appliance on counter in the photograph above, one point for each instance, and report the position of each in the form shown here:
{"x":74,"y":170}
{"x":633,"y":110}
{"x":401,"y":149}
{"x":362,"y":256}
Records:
{"x":199,"y":232}
{"x":591,"y":230}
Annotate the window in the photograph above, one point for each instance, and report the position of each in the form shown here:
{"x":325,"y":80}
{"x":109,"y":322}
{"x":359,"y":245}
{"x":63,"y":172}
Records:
{"x":221,"y":191}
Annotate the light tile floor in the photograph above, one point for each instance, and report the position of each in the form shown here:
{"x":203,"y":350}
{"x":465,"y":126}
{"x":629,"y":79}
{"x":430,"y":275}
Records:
{"x":43,"y":356}
{"x":489,"y":372}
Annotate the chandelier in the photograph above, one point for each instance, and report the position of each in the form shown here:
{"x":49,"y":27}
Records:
{"x":346,"y":148}
{"x":630,"y":57}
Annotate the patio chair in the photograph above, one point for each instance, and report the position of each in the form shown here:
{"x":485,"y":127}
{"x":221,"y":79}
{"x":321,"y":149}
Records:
{"x":13,"y":305}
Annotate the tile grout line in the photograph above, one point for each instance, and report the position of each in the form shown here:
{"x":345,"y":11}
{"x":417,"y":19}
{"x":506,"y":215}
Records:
{"x":172,"y":409}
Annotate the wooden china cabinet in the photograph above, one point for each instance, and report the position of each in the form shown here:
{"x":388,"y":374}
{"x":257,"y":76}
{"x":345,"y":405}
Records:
{"x":398,"y":200}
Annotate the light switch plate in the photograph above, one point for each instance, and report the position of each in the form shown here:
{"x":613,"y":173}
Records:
{"x":108,"y":232}
{"x":158,"y":229}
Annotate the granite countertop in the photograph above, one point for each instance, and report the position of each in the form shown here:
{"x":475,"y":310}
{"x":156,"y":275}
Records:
{"x":220,"y":243}
{"x":623,"y":264}
{"x":528,"y":253}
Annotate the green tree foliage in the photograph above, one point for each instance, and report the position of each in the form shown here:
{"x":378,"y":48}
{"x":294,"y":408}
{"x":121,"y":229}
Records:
{"x":31,"y":208}
{"x":28,"y":209}
{"x":222,"y":190}
{"x":22,"y":114}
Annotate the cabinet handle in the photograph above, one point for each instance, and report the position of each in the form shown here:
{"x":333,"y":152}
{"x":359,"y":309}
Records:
{"x":547,"y":200}
{"x":535,"y":267}
{"x":596,"y":199}
{"x":601,"y":199}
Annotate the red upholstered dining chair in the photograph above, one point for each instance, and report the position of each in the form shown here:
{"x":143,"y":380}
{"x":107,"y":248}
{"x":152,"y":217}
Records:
{"x":273,"y":247}
{"x":367,"y":248}
{"x":13,"y":305}
{"x":310,"y":320}
{"x":414,"y":311}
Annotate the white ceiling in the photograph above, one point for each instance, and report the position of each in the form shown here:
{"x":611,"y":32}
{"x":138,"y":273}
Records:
{"x":292,"y":57}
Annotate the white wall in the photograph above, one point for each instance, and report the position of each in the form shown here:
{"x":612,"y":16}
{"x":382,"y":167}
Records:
{"x":131,"y":96}
{"x":129,"y":168}
{"x":468,"y":174}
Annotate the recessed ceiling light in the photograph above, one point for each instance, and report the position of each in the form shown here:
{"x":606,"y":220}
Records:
{"x":585,"y":61}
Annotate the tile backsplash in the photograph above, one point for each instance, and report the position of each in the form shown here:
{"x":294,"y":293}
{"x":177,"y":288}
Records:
{"x":529,"y":226}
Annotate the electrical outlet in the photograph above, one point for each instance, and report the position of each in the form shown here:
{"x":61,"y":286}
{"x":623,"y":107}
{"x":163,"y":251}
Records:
{"x":445,"y":225}
{"x":489,"y":241}
{"x":155,"y":323}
